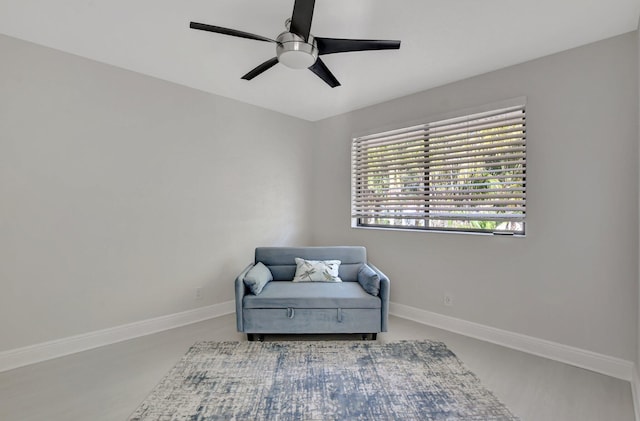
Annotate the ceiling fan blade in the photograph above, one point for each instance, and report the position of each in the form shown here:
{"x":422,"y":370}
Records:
{"x":320,"y":69}
{"x":301,"y":18}
{"x":227,"y":31}
{"x":261,"y":68}
{"x":339,"y":45}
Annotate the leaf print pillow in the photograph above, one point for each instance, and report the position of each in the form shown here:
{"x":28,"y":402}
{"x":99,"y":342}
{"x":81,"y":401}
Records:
{"x":317,"y":270}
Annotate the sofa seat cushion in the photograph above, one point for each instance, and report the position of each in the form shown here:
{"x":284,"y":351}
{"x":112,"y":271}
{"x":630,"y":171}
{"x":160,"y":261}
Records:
{"x":284,"y":294}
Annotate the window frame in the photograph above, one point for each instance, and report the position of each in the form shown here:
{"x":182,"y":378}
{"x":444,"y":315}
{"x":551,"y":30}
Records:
{"x":359,"y":222}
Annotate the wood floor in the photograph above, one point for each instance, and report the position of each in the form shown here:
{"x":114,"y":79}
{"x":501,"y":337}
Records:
{"x":108,"y":383}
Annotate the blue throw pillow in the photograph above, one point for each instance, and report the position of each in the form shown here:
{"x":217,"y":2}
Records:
{"x":257,"y":277}
{"x":369,"y":280}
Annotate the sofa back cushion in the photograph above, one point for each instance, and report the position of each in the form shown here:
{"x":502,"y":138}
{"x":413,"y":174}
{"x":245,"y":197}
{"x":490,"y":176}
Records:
{"x":281,"y":260}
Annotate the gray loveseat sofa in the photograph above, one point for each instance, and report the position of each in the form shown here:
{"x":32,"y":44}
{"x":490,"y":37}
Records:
{"x":285,"y":307}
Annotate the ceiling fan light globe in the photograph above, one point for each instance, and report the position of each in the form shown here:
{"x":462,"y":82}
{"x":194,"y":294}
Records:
{"x":296,"y":59}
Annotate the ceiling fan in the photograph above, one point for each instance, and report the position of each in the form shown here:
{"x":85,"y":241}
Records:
{"x":298,"y":49}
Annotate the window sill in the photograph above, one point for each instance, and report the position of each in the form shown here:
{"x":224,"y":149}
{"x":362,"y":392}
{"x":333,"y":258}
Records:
{"x":435,"y":231}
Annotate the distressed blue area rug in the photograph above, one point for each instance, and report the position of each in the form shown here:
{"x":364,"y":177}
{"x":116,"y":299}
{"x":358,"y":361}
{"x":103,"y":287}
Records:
{"x":336,"y":380}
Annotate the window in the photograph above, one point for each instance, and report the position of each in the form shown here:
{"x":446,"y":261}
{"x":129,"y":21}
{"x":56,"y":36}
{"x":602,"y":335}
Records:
{"x":462,"y":174}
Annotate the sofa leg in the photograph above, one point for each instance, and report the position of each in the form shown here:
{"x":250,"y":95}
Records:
{"x":374,"y":336}
{"x":255,"y":337}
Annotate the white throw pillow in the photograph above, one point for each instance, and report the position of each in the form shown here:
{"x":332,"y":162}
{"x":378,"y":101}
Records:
{"x":317,"y":270}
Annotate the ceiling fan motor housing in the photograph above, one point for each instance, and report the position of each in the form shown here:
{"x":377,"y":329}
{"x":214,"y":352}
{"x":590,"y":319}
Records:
{"x":294,"y":52}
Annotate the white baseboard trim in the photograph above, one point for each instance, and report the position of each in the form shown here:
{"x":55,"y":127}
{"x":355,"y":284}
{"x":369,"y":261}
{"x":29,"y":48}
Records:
{"x":31,"y":354}
{"x":604,"y":364}
{"x":610,"y":366}
{"x":635,"y":390}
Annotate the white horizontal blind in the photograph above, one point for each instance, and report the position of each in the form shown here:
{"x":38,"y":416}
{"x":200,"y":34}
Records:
{"x":453,"y":173}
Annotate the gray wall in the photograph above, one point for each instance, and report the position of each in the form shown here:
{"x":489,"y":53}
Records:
{"x":121,"y":194}
{"x":637,"y":360}
{"x":574,"y":278}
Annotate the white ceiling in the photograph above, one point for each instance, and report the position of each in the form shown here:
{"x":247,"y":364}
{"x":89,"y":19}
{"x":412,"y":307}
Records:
{"x":442,"y":41}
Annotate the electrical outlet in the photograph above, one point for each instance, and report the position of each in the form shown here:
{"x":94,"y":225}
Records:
{"x":448,"y":299}
{"x":198,"y":293}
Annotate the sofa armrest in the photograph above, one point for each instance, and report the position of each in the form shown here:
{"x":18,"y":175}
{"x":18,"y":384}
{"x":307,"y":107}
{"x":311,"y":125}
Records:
{"x":384,"y":297}
{"x":241,"y":291}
